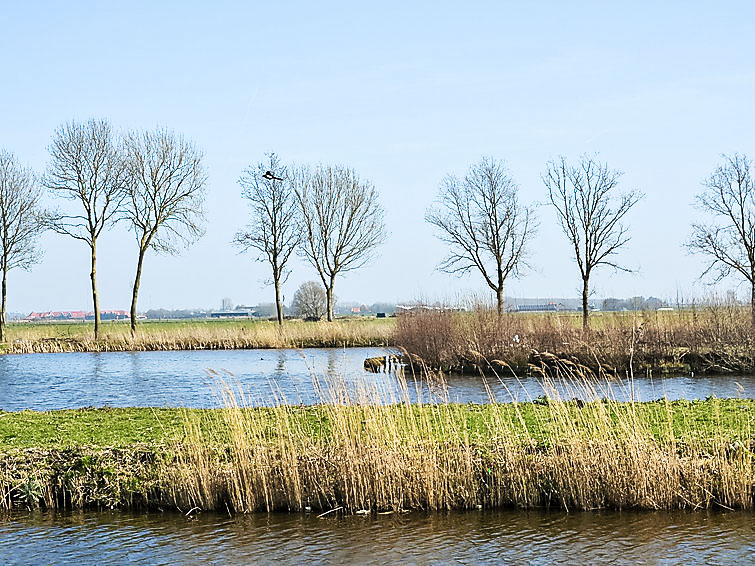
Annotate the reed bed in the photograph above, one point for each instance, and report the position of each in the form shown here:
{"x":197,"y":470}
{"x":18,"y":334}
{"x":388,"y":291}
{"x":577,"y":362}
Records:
{"x":369,"y":452}
{"x":369,"y":449}
{"x":197,"y":335}
{"x":706,"y":339}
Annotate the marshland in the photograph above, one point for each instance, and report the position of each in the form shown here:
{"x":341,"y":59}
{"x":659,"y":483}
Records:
{"x":371,"y":452}
{"x":471,"y":425}
{"x":709,"y":338}
{"x":477,"y":256}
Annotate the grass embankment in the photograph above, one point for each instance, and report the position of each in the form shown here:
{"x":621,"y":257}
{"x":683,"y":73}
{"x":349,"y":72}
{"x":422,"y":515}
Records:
{"x":565,"y":454}
{"x":714,"y":339}
{"x":23,"y":338}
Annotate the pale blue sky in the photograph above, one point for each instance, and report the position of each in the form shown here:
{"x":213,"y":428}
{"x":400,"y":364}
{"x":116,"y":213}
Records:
{"x":404,"y":94}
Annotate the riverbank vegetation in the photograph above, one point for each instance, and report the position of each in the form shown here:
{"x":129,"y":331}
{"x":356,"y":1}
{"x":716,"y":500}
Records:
{"x":368,"y":453}
{"x":713,"y":338}
{"x":705,"y":339}
{"x":115,"y":336}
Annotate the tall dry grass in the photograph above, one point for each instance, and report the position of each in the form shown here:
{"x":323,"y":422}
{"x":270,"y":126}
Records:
{"x":371,"y":451}
{"x":198,"y":335}
{"x":709,"y":338}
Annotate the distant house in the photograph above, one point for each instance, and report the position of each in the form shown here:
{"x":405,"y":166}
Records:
{"x":233,"y":313}
{"x":110,"y":315}
{"x":547,"y":307}
{"x":76,"y":316}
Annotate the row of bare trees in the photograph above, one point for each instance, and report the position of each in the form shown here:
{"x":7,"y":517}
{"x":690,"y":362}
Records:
{"x":326,"y":213}
{"x":152,"y":180}
{"x":488,"y":230}
{"x":155,"y":182}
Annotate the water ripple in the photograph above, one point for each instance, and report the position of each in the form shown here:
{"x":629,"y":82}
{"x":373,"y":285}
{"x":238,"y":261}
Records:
{"x":500,"y":537}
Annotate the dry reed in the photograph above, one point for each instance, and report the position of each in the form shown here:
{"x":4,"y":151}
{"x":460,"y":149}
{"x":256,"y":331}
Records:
{"x":706,"y":339}
{"x":368,"y":448}
{"x":371,"y":451}
{"x":197,"y":335}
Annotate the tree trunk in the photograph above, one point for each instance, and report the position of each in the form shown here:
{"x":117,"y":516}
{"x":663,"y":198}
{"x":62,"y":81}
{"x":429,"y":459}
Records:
{"x":585,"y":307}
{"x":752,"y":307}
{"x":95,"y":300}
{"x":2,"y":307}
{"x":329,"y":298}
{"x":278,"y":304}
{"x":499,"y":298}
{"x":135,"y":294}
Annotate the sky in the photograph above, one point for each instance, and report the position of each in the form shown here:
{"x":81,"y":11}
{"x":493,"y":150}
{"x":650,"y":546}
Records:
{"x":405,"y":93}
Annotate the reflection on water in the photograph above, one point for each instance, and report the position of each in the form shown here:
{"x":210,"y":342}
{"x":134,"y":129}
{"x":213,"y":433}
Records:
{"x":482,"y":537}
{"x":57,"y":381}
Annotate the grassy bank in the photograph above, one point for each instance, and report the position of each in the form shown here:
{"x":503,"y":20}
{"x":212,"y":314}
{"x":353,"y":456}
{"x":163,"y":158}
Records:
{"x":377,"y":457}
{"x":712,"y":339}
{"x":26,"y":338}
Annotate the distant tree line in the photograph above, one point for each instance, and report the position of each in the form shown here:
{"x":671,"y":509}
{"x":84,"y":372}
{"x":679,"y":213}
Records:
{"x":155,"y":182}
{"x":633,"y":304}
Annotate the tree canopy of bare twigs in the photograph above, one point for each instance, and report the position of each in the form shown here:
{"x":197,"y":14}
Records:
{"x":591,"y":213}
{"x":342,"y":221}
{"x":728,"y":241}
{"x":165,"y":195}
{"x":87,"y":167}
{"x":310,"y":301}
{"x":21,"y":221}
{"x":274,"y":231}
{"x":486,"y":228}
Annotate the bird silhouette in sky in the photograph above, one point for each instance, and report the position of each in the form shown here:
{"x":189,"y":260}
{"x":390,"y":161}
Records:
{"x":270,"y":176}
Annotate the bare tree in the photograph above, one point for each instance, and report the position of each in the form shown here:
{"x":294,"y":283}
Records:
{"x":342,"y":221}
{"x":274,"y":231}
{"x":86,"y":167}
{"x":480,"y":218}
{"x":729,"y":240}
{"x":165,"y":195}
{"x":310,"y":301}
{"x":590,"y":214}
{"x":20,"y":221}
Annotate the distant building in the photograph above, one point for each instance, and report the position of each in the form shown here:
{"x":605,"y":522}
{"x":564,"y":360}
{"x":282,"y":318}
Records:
{"x":76,"y":316}
{"x":240,"y":312}
{"x":110,"y":315}
{"x":548,"y":307}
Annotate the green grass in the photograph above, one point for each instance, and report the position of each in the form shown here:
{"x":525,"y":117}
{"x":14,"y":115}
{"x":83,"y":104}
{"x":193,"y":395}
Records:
{"x":114,"y":427}
{"x":656,"y":455}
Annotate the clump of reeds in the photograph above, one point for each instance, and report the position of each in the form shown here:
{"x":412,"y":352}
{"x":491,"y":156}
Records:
{"x":364,"y":451}
{"x":713,"y":338}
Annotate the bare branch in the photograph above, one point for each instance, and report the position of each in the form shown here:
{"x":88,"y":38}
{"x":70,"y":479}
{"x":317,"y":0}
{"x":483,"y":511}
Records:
{"x":274,"y":231}
{"x":86,"y":167}
{"x":482,"y":222}
{"x":165,"y":195}
{"x":20,"y":221}
{"x":728,"y":240}
{"x":589,"y":213}
{"x":342,"y":221}
{"x":310,"y":301}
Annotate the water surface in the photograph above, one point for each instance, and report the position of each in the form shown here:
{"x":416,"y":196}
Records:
{"x":480,"y":537}
{"x":176,"y":379}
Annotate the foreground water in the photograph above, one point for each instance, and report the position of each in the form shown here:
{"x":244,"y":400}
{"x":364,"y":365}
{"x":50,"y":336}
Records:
{"x":480,"y":537}
{"x":60,"y":381}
